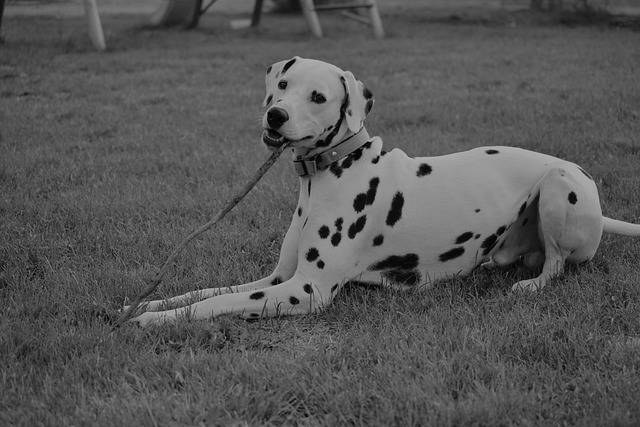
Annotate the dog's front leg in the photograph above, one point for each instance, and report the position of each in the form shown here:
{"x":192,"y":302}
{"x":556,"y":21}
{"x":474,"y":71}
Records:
{"x":284,"y":270}
{"x":295,"y":296}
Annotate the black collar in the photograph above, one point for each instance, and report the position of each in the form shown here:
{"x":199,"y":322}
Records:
{"x":310,"y":166}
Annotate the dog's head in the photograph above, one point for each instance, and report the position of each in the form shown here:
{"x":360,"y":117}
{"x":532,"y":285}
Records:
{"x":312,"y":104}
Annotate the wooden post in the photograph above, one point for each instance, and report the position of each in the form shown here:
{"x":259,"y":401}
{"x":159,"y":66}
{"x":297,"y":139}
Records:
{"x":257,"y":10}
{"x":195,"y":16}
{"x":1,"y":13}
{"x":95,"y":27}
{"x":309,"y":11}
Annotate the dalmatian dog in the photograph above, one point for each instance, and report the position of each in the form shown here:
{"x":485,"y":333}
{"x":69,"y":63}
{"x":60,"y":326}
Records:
{"x":368,"y":215}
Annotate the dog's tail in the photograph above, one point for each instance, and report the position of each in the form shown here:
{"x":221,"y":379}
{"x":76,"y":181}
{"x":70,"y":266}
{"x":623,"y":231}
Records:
{"x":614,"y":226}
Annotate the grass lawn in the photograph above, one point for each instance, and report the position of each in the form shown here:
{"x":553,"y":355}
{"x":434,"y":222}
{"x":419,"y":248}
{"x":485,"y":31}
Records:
{"x":108,"y":160}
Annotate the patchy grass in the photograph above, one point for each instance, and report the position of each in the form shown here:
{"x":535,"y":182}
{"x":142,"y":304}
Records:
{"x":108,"y":160}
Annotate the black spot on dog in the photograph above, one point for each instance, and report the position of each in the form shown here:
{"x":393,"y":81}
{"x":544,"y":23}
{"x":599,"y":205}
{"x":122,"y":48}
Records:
{"x":347,"y":162}
{"x":424,"y":170}
{"x":477,"y":210}
{"x":269,"y":99}
{"x":327,"y":141}
{"x":490,"y":152}
{"x":336,"y":238}
{"x":501,"y":230}
{"x":585,"y":173}
{"x":339,"y":223}
{"x":323,"y":142}
{"x":309,"y":188}
{"x":336,"y":169}
{"x":276,"y":281}
{"x":288,"y":65}
{"x":366,"y":199}
{"x":452,"y":254}
{"x":522,"y":208}
{"x":269,"y":69}
{"x":378,"y":240}
{"x":396,"y":262}
{"x":312,"y":254}
{"x":464,"y":237}
{"x":305,"y":222}
{"x":367,"y":144}
{"x":573,"y":199}
{"x":488,"y":244}
{"x":357,"y":226}
{"x":294,"y":301}
{"x":355,"y":156}
{"x":323,"y":232}
{"x":320,"y":264}
{"x":307,"y":288}
{"x":299,"y":210}
{"x":395,"y":213}
{"x":477,"y":236}
{"x":375,"y":160}
{"x":256,"y":295}
{"x":254,"y":315}
{"x":399,"y":268}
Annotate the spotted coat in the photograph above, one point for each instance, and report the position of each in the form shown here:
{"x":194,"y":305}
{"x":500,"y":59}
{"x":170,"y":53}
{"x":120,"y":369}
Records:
{"x":388,"y":218}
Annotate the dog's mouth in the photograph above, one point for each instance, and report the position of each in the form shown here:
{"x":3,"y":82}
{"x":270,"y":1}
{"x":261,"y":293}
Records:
{"x":273,"y":138}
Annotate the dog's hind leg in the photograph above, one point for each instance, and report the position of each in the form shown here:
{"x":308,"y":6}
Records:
{"x":570,"y":223}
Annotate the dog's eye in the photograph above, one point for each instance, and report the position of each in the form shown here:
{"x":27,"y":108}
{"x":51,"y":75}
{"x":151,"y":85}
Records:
{"x":318,"y":98}
{"x":282,"y":84}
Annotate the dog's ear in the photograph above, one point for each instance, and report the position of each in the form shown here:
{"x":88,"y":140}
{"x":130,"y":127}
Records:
{"x":358,"y":103}
{"x":274,"y":73}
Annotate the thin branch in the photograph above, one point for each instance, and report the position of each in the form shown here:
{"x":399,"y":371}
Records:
{"x":212,"y":222}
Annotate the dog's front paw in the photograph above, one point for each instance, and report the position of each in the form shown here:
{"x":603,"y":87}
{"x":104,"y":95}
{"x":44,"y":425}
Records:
{"x":489,"y":265}
{"x":151,"y":318}
{"x":144,"y":306}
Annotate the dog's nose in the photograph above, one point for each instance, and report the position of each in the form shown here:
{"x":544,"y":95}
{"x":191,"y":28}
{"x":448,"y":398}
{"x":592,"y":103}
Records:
{"x":276,"y":117}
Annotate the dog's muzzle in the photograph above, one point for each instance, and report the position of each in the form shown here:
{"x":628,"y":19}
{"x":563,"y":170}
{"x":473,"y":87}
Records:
{"x":276,"y":117}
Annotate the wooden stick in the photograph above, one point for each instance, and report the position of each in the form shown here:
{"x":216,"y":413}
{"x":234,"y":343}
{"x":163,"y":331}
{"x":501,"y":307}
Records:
{"x":212,"y":222}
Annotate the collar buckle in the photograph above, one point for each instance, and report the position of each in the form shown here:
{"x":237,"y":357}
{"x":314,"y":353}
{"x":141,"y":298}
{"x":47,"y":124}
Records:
{"x":305,"y":167}
{"x":310,"y":166}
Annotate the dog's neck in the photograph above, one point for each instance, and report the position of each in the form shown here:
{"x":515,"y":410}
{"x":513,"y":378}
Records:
{"x":311,"y":162}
